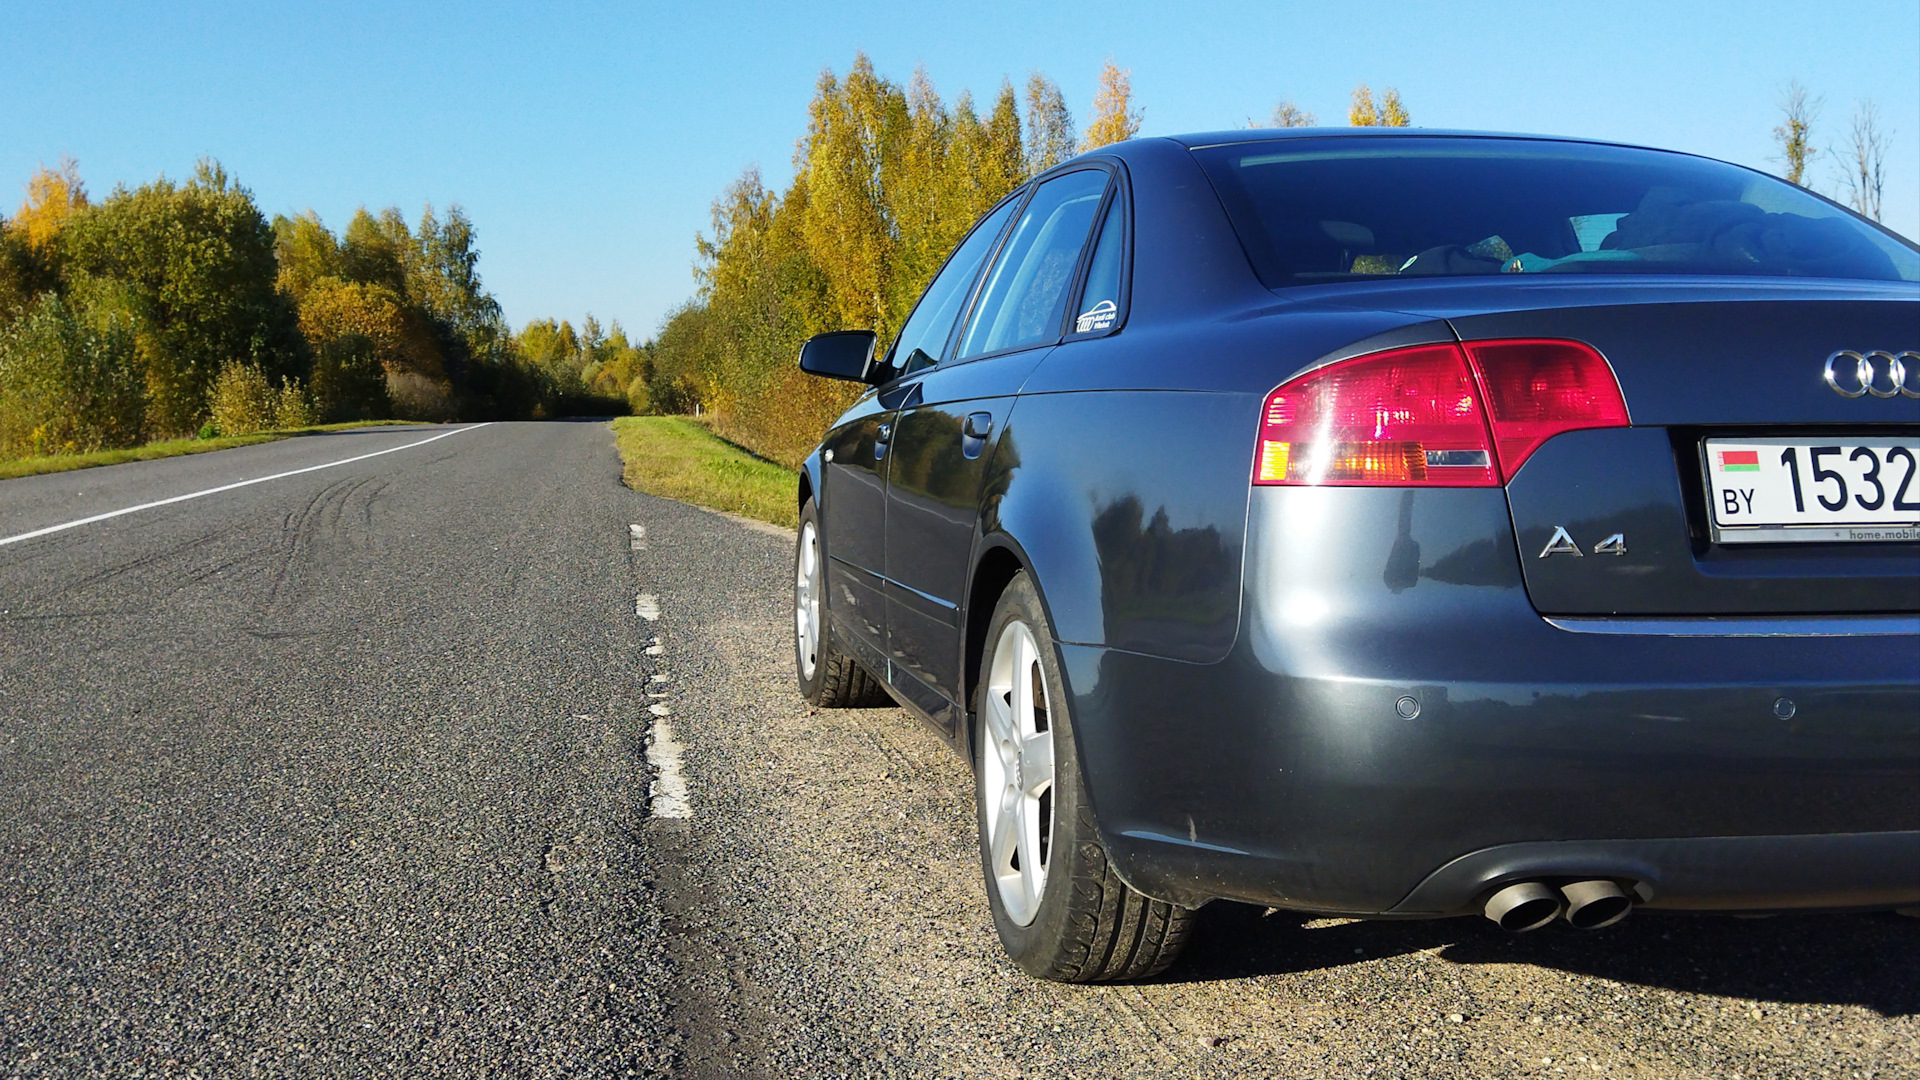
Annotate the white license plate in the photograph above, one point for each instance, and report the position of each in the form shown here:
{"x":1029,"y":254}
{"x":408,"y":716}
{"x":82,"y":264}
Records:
{"x":1818,"y":488}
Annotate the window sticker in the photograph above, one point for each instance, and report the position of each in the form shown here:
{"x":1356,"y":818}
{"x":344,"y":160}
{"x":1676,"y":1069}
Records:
{"x":1098,"y":317}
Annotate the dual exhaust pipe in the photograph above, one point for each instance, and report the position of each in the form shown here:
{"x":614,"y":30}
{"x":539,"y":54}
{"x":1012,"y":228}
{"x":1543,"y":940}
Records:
{"x":1530,"y":905}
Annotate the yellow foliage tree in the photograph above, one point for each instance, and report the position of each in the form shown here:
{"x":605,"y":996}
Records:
{"x":1362,"y":112}
{"x":1392,"y":113}
{"x":1365,"y":112}
{"x":52,"y":196}
{"x":857,"y":128}
{"x":1114,"y":117}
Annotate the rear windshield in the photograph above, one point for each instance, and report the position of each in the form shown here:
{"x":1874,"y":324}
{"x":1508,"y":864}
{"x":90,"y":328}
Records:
{"x":1346,"y":209}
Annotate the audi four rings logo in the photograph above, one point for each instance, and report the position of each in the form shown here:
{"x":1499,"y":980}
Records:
{"x":1880,"y":373}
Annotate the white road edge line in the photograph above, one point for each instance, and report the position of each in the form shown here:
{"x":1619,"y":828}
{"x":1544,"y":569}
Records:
{"x":5,"y":540}
{"x":668,"y":792}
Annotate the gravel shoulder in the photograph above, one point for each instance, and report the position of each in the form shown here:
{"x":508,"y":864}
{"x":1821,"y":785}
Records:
{"x":825,"y":916}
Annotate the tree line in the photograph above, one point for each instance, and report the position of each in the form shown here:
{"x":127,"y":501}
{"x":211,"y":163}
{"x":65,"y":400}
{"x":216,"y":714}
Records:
{"x":178,"y":308}
{"x":885,"y":180}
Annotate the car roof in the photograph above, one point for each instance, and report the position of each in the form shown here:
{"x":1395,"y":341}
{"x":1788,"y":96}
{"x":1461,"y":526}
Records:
{"x":1249,"y":135}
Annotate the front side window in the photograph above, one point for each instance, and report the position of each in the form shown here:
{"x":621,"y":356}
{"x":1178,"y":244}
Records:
{"x":925,"y":334}
{"x":1020,"y":301}
{"x":1315,"y":210}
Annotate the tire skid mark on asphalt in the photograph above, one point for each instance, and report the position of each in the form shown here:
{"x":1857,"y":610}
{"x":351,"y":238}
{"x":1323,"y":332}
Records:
{"x":125,"y":510}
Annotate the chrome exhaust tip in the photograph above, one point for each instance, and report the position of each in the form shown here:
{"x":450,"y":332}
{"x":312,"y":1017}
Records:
{"x":1523,"y":906}
{"x":1594,"y":904}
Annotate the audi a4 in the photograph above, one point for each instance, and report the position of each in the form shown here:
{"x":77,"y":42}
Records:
{"x":1393,"y":525}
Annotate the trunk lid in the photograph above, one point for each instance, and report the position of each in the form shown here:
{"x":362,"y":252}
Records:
{"x":1692,"y":365}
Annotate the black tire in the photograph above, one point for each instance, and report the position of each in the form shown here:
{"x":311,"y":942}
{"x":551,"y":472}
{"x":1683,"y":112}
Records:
{"x":837,"y":680}
{"x":1089,"y":926}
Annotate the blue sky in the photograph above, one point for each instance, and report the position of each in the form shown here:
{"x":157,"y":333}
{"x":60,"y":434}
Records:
{"x":587,"y":141}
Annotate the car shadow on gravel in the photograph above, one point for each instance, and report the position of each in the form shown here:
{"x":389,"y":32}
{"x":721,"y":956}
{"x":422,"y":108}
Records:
{"x":1867,"y":960}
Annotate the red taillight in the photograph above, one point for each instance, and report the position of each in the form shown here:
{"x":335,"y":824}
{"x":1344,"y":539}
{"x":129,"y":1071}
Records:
{"x":1409,"y":416}
{"x":1538,"y":389}
{"x":1420,"y":415}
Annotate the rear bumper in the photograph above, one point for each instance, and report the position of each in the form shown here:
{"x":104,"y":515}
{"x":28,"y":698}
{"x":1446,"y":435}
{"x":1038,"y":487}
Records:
{"x":1287,"y":775}
{"x":1700,"y":873}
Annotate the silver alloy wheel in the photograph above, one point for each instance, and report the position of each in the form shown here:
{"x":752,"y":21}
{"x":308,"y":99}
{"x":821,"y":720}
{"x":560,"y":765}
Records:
{"x":806,"y":600}
{"x":1018,"y":778}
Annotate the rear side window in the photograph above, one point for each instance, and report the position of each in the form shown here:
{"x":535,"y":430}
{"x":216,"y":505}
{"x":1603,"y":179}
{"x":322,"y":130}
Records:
{"x":1021,"y":299}
{"x":925,"y":334}
{"x":1100,"y":298}
{"x":1346,"y":209}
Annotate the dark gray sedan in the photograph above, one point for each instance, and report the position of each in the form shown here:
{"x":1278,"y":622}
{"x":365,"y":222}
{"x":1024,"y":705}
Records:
{"x":1392,"y":525}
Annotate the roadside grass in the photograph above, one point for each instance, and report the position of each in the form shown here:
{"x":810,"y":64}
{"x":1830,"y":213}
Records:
{"x":679,"y":458}
{"x":53,"y":463}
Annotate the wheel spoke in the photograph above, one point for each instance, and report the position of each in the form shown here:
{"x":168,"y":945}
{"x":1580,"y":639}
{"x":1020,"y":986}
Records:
{"x":1036,"y":763}
{"x":1033,"y":873}
{"x":1021,"y":687}
{"x":1005,"y":833}
{"x":1000,"y":727}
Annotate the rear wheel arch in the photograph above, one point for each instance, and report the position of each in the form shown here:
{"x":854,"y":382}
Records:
{"x":995,"y":569}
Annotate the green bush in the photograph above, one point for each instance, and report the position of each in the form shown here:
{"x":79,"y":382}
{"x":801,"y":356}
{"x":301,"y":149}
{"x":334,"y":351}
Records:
{"x":291,"y":409}
{"x":70,"y":381}
{"x":242,"y":400}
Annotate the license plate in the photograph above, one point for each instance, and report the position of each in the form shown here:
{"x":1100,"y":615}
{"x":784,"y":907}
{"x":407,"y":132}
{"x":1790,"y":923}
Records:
{"x":1822,"y":488}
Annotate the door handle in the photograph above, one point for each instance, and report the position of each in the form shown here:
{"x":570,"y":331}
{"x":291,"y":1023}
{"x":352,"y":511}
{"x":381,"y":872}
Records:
{"x":978,"y":426}
{"x":883,"y":433}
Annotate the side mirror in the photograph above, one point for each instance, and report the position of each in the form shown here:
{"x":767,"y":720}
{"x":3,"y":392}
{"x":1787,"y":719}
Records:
{"x":840,"y":354}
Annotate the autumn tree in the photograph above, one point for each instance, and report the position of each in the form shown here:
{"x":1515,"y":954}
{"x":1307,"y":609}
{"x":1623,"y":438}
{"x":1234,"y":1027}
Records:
{"x":885,"y":182}
{"x":1004,"y":163}
{"x":197,"y":261}
{"x":858,"y":125}
{"x":1114,"y":117}
{"x":1388,"y":111}
{"x":1049,"y":126}
{"x":1794,"y":133}
{"x":53,"y":196}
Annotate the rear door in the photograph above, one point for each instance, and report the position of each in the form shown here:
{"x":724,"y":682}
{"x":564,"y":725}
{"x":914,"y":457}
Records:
{"x":944,"y":440}
{"x":1703,"y":380}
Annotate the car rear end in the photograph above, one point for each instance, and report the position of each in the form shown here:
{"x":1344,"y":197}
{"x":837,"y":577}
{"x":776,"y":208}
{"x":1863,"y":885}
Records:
{"x":1594,"y":581}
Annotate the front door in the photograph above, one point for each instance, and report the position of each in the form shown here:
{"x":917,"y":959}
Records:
{"x":853,"y":526}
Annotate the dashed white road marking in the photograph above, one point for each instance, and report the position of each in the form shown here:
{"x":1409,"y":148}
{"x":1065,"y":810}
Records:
{"x":637,"y":537}
{"x":663,"y":678}
{"x":5,"y":540}
{"x":667,"y":795}
{"x":647,"y":606}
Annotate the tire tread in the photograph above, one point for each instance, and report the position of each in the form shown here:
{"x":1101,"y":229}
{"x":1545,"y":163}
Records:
{"x":1120,"y":935}
{"x":845,"y":683}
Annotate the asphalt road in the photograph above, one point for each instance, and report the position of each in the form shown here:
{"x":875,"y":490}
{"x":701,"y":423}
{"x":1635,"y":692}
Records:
{"x":430,"y":764}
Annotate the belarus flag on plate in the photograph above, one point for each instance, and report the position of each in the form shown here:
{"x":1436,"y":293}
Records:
{"x":1739,"y":461}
